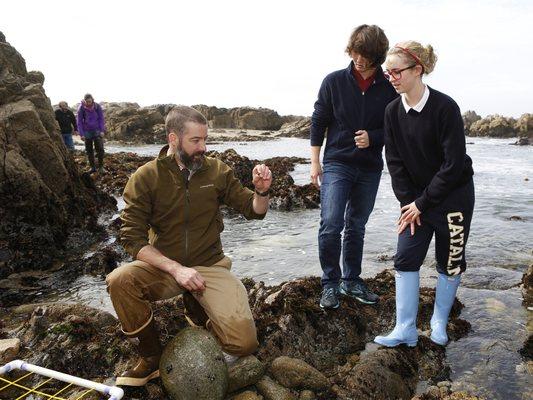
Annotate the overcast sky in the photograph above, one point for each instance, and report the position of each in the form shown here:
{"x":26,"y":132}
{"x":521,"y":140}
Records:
{"x":271,"y":54}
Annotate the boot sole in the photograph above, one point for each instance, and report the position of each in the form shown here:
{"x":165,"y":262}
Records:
{"x":128,"y":381}
{"x":437,"y":342}
{"x":409,"y":344}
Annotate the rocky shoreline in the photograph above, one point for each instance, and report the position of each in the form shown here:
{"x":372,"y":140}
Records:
{"x":295,"y":336}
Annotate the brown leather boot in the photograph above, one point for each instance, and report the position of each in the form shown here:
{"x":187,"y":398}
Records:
{"x":147,"y":367}
{"x":194,"y":312}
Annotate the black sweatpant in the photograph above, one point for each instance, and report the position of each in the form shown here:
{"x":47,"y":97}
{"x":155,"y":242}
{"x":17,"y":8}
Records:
{"x":450,"y":221}
{"x":90,"y":139}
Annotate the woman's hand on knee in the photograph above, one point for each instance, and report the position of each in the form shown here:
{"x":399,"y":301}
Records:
{"x":410,"y":213}
{"x":410,"y":217}
{"x":412,"y":225}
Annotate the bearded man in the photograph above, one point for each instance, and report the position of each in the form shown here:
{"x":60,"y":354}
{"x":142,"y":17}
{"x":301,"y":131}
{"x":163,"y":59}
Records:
{"x":171,"y":226}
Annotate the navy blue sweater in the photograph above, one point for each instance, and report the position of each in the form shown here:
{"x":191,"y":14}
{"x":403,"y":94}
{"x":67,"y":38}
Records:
{"x":342,"y":109}
{"x":425,"y":151}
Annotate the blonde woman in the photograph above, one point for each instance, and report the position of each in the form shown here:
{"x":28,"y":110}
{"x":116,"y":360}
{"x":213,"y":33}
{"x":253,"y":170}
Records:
{"x":431,"y":177}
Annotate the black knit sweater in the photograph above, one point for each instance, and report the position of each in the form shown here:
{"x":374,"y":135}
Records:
{"x":425,"y":151}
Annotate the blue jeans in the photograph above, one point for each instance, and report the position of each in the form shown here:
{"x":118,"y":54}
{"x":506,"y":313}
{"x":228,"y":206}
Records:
{"x":347,"y":197}
{"x":67,"y":139}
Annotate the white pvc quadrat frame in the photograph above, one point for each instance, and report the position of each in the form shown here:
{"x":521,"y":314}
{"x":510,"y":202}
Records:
{"x":114,"y":392}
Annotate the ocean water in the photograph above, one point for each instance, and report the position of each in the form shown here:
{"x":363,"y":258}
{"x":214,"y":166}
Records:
{"x":284,"y":246}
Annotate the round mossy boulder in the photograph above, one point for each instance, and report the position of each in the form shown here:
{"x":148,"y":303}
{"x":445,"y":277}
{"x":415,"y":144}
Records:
{"x":192,"y":366}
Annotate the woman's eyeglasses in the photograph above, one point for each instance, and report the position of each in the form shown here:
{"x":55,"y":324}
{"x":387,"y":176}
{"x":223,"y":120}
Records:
{"x":396,"y":73}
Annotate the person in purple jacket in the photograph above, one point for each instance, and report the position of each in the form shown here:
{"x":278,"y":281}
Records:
{"x":91,"y":126}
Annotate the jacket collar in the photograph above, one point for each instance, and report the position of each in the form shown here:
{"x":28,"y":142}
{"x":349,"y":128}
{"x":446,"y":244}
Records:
{"x":170,"y":160}
{"x":380,"y":77}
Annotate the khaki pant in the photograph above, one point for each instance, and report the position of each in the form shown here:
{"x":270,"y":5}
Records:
{"x":134,"y":285}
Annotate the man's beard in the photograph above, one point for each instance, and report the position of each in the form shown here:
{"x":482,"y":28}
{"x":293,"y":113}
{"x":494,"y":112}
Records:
{"x":192,"y":163}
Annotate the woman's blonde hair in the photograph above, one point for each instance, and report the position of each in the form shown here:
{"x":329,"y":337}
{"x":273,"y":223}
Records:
{"x":415,"y":52}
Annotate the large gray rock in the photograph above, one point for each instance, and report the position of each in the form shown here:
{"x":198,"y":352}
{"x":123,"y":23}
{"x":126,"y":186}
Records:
{"x":245,"y":372}
{"x":130,"y":123}
{"x":297,"y":374}
{"x":42,"y":194}
{"x":192,"y":366}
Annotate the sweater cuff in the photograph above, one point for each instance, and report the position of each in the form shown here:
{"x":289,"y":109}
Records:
{"x":317,"y":141}
{"x":249,"y":212}
{"x":375,"y":137}
{"x":422,"y":203}
{"x":317,"y":136}
{"x":254,"y":215}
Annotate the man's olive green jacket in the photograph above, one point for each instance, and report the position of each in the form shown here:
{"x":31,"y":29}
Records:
{"x":181,"y":219}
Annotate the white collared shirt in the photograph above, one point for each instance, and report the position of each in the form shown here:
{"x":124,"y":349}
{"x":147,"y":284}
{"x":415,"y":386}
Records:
{"x":421,"y":103}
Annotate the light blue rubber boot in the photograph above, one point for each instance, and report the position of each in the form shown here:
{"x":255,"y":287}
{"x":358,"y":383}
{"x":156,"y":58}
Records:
{"x":407,"y":292}
{"x":446,"y":289}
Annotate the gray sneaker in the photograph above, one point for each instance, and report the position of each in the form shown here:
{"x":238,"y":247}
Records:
{"x":359,"y":291}
{"x":330,"y":298}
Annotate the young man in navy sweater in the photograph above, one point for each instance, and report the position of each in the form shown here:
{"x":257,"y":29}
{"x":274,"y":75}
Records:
{"x":350,"y":108}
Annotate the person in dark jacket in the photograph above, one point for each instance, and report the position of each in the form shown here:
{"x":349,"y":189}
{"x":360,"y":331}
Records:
{"x":91,"y":126}
{"x":350,"y":107}
{"x":67,"y":122}
{"x":431,"y":176}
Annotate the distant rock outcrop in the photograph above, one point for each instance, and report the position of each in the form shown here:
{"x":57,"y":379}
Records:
{"x":42,"y":196}
{"x":497,"y":126}
{"x":242,"y":117}
{"x":300,"y":128}
{"x":130,"y":123}
{"x":494,"y":126}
